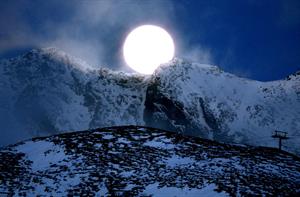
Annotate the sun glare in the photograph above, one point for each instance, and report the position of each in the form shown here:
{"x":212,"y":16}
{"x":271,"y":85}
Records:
{"x":146,"y":47}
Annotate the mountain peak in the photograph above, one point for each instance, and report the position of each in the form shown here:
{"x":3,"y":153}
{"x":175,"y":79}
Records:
{"x":181,"y":65}
{"x":56,"y":56}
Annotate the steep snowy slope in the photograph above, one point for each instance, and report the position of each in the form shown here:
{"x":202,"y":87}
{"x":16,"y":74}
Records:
{"x":139,"y":161}
{"x":38,"y":94}
{"x":203,"y":100}
{"x":116,"y":98}
{"x":48,"y":91}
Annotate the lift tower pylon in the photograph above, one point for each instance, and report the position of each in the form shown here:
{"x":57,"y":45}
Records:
{"x":281,"y":136}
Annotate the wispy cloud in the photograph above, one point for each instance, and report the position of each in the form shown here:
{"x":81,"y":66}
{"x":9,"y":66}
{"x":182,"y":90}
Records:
{"x":91,"y":30}
{"x":199,"y":55}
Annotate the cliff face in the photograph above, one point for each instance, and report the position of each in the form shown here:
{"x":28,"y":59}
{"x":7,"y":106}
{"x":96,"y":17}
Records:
{"x":47,"y":91}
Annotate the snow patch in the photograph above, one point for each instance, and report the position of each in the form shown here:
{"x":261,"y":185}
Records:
{"x":159,"y":144}
{"x":207,"y":191}
{"x":42,"y":154}
{"x":108,"y":137}
{"x":178,"y":160}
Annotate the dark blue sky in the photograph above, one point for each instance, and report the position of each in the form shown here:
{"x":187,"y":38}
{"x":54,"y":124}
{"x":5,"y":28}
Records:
{"x":256,"y":39}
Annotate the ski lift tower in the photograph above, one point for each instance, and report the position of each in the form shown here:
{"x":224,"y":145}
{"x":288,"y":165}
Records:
{"x":281,"y":136}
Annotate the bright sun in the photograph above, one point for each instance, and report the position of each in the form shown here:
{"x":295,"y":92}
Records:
{"x":146,"y":47}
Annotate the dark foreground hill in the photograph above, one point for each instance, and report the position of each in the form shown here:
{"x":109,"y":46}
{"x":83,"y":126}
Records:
{"x":141,"y":161}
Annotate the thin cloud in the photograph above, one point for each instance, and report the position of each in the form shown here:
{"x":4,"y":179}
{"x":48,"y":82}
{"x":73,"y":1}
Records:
{"x":91,"y":30}
{"x":199,"y":55}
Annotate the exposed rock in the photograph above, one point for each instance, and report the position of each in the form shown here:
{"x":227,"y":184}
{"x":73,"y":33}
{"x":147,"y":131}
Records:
{"x":140,"y":161}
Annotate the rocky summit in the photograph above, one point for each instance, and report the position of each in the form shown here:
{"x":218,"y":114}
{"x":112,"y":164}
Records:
{"x":143,"y":161}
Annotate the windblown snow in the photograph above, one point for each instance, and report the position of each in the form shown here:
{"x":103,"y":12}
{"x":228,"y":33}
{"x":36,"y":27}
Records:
{"x":46,"y":91}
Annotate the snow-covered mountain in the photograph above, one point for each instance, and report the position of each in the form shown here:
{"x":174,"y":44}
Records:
{"x":191,"y":97}
{"x":140,"y":161}
{"x":47,"y":91}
